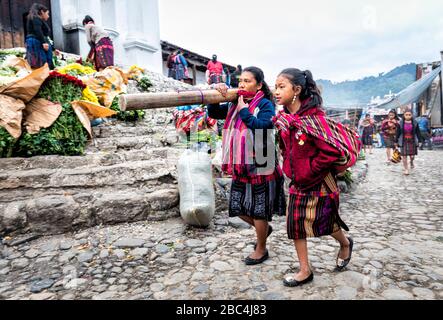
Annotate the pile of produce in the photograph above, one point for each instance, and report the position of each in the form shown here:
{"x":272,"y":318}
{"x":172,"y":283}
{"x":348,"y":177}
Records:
{"x":73,"y":84}
{"x":66,"y":136}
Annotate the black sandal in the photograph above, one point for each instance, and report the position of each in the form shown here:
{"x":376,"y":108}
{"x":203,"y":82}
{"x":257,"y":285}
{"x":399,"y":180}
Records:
{"x":291,"y":282}
{"x":341,"y":264}
{"x":269,"y":233}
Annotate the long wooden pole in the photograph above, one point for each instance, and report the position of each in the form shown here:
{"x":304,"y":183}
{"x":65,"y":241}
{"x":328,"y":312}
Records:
{"x":174,"y":99}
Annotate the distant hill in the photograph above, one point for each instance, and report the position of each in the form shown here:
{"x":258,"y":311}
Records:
{"x":361,"y":91}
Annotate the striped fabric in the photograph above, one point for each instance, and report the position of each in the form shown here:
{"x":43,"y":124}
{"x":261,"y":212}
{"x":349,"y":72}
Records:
{"x":259,"y":179}
{"x":314,"y":213}
{"x":334,"y":133}
{"x":193,"y":119}
{"x":258,"y":201}
{"x":238,"y":142}
{"x":102,"y":54}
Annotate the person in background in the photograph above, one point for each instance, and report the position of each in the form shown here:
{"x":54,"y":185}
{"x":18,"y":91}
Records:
{"x":408,"y":139}
{"x":368,"y":132}
{"x":380,"y":133}
{"x":181,"y":67}
{"x":227,"y":76}
{"x":236,"y":76}
{"x":389,"y":132}
{"x":171,"y":64}
{"x":102,"y":48}
{"x":425,"y":131}
{"x":38,"y":44}
{"x":214,"y":72}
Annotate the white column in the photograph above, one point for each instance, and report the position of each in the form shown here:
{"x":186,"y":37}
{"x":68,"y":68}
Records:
{"x":142,"y":37}
{"x":93,"y":9}
{"x":441,"y":91}
{"x":135,"y":19}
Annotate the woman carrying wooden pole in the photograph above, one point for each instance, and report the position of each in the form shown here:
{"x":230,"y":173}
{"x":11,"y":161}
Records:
{"x":257,"y":190}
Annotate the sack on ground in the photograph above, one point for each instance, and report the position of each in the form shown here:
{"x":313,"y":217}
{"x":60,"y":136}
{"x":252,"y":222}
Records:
{"x":197,"y":198}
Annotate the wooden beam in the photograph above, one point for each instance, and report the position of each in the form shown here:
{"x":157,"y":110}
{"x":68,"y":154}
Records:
{"x":173,"y":99}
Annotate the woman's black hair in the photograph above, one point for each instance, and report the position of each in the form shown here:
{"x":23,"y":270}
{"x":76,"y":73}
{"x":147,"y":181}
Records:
{"x":305,"y":80}
{"x":259,"y":76}
{"x":36,"y":10}
{"x":87,"y":19}
{"x":395,"y":113}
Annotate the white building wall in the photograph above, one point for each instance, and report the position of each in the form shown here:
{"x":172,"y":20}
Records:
{"x":133,"y":26}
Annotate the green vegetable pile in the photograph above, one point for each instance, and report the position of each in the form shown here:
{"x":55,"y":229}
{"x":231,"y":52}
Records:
{"x":7,"y":143}
{"x":66,"y":136}
{"x":128,"y":116}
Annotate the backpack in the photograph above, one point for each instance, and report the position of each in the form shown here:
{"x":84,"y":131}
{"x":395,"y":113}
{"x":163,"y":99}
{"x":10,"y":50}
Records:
{"x":346,"y":140}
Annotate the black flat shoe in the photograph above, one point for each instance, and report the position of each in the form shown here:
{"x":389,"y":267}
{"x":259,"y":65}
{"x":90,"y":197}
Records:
{"x":291,"y":282}
{"x":252,"y":262}
{"x":269,"y":233}
{"x":341,"y":264}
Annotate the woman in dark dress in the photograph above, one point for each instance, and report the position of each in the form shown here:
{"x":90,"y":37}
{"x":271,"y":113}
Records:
{"x":408,"y":139}
{"x":368,"y":129}
{"x":249,"y":155}
{"x":38,"y":43}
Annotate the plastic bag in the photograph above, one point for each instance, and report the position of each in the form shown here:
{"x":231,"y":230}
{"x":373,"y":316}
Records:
{"x":396,"y":156}
{"x":197,"y":198}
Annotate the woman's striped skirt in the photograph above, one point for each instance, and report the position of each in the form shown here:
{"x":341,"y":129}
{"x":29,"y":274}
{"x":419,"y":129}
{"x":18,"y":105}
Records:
{"x":258,"y":201}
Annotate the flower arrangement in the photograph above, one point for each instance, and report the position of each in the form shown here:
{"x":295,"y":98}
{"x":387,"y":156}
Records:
{"x":65,"y":79}
{"x":135,"y":70}
{"x":89,"y":95}
{"x":76,"y":69}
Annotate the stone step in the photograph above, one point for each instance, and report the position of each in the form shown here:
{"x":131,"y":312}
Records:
{"x":121,"y":131}
{"x":58,"y":213}
{"x":122,"y":174}
{"x":89,"y":160}
{"x":118,"y":144}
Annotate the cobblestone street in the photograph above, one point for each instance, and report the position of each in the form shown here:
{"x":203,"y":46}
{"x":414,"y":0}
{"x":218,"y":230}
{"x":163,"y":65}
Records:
{"x":396,"y":222}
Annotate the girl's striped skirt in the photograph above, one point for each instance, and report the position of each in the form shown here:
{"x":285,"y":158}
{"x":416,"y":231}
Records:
{"x":314,"y":213}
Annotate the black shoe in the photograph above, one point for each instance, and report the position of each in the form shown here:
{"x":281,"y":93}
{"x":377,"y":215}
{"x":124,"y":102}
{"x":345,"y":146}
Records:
{"x":252,"y":262}
{"x":341,"y":264}
{"x":269,"y":233}
{"x":291,"y":282}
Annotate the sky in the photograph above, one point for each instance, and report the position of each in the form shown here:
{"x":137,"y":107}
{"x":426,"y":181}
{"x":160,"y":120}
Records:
{"x":337,"y":40}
